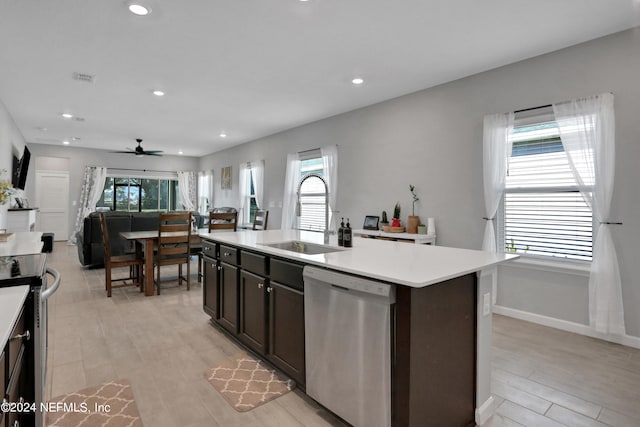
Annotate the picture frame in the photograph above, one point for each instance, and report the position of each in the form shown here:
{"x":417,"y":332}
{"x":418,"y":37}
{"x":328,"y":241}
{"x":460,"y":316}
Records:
{"x":225,"y":178}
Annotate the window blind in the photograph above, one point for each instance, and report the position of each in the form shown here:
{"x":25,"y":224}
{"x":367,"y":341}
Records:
{"x":544,"y":213}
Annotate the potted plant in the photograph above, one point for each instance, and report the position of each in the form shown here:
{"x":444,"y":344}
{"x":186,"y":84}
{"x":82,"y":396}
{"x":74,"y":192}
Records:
{"x":413,"y":220}
{"x":395,"y":221}
{"x":384,"y":222}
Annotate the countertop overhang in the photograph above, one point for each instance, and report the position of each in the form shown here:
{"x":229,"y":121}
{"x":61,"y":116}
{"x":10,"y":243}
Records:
{"x":394,"y":262}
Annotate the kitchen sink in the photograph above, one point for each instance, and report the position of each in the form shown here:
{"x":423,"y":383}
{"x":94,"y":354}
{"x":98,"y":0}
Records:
{"x":303,"y":247}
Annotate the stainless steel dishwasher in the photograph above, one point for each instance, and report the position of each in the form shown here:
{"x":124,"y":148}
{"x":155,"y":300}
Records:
{"x":348,"y":345}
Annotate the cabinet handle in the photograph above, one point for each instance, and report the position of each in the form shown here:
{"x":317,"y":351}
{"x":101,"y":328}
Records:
{"x":16,"y":424}
{"x":219,"y":268}
{"x":260,"y":285}
{"x":21,"y":399}
{"x":26,"y":336}
{"x":227,"y":254}
{"x":269,"y":289}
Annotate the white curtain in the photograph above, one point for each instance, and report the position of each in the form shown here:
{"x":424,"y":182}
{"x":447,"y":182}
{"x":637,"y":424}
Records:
{"x":257,"y":169}
{"x":245,"y":169}
{"x":205,"y":191}
{"x":92,"y":189}
{"x":330,"y":172}
{"x":587,"y":131}
{"x":188,"y":189}
{"x":290,"y":197}
{"x":496,"y":151}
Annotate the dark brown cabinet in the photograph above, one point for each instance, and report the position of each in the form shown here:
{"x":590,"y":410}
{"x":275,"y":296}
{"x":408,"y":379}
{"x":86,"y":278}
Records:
{"x":286,"y":330}
{"x":260,"y":300}
{"x":210,"y":291}
{"x":3,"y":383}
{"x":16,"y":359}
{"x":228,"y":302}
{"x":253,"y":311}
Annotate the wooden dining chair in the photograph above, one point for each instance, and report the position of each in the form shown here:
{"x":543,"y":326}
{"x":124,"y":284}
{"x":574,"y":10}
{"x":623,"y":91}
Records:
{"x":223,"y":221}
{"x":174,"y":235}
{"x":133,"y":261}
{"x":260,"y":220}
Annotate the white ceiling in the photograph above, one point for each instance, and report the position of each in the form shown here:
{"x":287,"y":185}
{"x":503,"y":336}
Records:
{"x":252,"y":68}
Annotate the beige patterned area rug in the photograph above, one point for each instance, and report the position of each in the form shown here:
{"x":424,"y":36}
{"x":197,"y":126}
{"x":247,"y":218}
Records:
{"x":109,"y":405}
{"x":246,"y":383}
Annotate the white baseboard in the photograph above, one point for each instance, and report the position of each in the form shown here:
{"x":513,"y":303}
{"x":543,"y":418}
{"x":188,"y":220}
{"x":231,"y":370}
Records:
{"x":565,"y":325}
{"x":485,"y":411}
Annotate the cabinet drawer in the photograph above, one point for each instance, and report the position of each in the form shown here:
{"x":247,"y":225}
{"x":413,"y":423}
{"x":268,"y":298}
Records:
{"x":254,"y":263}
{"x":229,"y":254}
{"x":287,"y":273}
{"x":15,"y":342}
{"x":209,"y":249}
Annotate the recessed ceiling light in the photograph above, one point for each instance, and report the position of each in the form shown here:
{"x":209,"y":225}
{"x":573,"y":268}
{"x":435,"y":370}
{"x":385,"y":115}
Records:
{"x":180,"y":152}
{"x":357,"y":81}
{"x":138,"y":9}
{"x":158,"y":93}
{"x":223,"y":135}
{"x":67,"y":115}
{"x":65,"y":142}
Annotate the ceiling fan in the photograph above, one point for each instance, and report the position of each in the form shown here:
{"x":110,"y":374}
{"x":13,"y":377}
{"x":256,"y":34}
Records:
{"x":139,"y":151}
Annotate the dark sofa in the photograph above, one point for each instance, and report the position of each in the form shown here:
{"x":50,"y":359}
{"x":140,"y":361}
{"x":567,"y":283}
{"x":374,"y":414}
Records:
{"x":89,"y":239}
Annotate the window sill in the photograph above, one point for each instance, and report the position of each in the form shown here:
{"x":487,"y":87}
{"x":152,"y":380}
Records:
{"x":556,"y":266}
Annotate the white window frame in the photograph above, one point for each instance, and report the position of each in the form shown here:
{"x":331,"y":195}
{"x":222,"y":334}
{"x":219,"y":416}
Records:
{"x":502,"y":241}
{"x":311,"y":157}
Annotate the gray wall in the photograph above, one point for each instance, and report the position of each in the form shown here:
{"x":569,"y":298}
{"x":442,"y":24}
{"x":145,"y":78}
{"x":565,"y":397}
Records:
{"x":11,"y":143}
{"x":78,"y":158}
{"x":433,"y":139}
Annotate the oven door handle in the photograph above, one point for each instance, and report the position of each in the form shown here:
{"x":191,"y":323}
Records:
{"x":54,"y":286}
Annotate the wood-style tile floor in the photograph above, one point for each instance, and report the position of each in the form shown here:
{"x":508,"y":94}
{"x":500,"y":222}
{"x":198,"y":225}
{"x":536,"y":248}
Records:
{"x":541,"y":376}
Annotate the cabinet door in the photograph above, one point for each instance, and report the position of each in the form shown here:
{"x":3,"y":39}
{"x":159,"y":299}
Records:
{"x":228,"y":314}
{"x":253,"y":311}
{"x":210,"y":292}
{"x":3,"y":385}
{"x":286,"y":330}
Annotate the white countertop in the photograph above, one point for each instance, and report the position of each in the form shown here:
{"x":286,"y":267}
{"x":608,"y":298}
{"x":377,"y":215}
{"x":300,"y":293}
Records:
{"x":396,"y":262}
{"x":23,"y":243}
{"x":11,"y":302}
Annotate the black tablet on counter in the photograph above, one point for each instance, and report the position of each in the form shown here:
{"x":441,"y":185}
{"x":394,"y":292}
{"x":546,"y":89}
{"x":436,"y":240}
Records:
{"x":371,"y":222}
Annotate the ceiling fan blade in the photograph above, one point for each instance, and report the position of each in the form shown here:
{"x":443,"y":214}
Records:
{"x":123,"y":152}
{"x":153,"y":151}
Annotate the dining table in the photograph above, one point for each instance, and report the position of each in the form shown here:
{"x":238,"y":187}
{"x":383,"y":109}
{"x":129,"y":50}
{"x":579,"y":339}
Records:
{"x":146,"y":242}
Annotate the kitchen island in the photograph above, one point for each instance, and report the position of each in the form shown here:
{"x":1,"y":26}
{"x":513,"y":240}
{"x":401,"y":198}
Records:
{"x":441,"y":343}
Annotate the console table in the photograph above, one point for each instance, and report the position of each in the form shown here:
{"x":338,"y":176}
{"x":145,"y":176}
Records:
{"x":21,"y":219}
{"x":421,"y":239}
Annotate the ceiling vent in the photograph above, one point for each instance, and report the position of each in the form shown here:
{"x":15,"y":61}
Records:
{"x":84,"y":77}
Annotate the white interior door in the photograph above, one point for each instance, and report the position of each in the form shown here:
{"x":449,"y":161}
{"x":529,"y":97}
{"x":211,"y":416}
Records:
{"x":52,"y":197}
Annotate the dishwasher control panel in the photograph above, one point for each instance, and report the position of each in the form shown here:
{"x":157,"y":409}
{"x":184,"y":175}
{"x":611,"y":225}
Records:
{"x":348,"y":282}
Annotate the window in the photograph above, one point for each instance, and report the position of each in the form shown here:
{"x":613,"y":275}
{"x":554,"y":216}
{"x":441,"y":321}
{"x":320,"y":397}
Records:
{"x":544,"y":213}
{"x":251,"y":199}
{"x":139,"y":194}
{"x":312,"y":194}
{"x":251,"y":189}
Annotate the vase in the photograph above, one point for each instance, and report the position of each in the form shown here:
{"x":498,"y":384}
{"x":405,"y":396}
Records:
{"x":422,"y":229}
{"x":412,"y":224}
